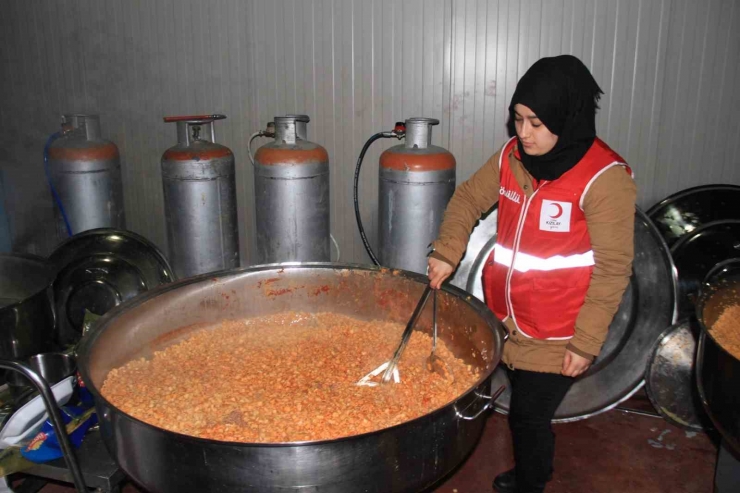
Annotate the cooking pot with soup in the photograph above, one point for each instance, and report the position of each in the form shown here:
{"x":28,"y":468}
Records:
{"x":174,"y":321}
{"x":718,"y":350}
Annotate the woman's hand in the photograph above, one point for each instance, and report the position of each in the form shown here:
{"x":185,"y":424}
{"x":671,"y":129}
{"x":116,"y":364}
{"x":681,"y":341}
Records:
{"x":574,"y":364}
{"x":438,"y":271}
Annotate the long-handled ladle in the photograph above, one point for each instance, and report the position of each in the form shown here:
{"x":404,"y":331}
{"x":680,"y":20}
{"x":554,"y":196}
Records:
{"x":435,"y":363}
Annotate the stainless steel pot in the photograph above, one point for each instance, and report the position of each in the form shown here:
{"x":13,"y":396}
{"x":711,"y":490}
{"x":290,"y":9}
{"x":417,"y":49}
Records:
{"x":405,"y":458}
{"x":718,"y":371}
{"x":26,"y":310}
{"x":52,"y":367}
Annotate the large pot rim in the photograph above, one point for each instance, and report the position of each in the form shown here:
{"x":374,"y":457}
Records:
{"x":88,"y":341}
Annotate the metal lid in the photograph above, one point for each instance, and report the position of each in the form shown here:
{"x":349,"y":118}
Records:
{"x":695,"y":254}
{"x":648,"y":307}
{"x":669,"y":378}
{"x":99,"y":269}
{"x":685,"y":211}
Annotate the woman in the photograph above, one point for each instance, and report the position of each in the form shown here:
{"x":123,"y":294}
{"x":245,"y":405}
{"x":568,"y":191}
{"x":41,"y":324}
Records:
{"x":563,"y":254}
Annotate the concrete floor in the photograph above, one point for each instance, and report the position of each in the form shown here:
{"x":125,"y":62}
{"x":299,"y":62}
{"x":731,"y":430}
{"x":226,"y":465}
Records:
{"x":613,"y":452}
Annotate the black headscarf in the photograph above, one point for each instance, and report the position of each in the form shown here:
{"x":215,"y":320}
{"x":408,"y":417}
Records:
{"x":564,"y":95}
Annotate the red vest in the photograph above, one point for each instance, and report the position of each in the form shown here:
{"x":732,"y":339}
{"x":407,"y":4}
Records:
{"x":540,"y":268}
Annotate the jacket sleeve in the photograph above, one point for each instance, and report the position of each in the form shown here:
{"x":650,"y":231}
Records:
{"x":609,"y":206}
{"x":468,"y":203}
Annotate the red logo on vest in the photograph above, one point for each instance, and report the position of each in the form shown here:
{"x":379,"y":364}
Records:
{"x":555,"y":216}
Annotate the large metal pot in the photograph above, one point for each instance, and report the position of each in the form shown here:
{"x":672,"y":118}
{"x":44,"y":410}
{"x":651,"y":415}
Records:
{"x":405,"y":458}
{"x":718,"y":371}
{"x":26,"y":313}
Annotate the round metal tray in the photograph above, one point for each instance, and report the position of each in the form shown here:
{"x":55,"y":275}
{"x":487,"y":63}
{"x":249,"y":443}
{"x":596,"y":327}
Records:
{"x":683,"y":212}
{"x":99,"y":269}
{"x":670,"y":377}
{"x":648,"y":307}
{"x":696,"y":254}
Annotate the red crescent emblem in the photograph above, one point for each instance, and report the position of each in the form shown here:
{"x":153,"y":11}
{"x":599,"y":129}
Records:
{"x":559,"y":212}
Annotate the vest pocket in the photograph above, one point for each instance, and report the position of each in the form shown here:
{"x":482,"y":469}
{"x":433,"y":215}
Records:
{"x":556,"y":302}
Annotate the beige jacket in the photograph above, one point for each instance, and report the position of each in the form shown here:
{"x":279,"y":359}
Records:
{"x":609,"y":206}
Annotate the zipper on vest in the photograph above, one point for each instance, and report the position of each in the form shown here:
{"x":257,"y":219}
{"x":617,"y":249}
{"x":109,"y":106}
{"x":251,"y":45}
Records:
{"x":515,"y":250}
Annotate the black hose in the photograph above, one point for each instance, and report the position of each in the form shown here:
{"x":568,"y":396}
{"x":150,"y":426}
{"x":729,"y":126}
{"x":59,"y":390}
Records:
{"x":372,"y":139}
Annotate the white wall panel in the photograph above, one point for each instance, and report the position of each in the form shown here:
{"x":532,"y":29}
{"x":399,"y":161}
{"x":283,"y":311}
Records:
{"x":669,"y":68}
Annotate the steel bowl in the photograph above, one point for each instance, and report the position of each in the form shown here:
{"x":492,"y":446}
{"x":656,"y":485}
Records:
{"x":408,"y":457}
{"x":52,"y":367}
{"x":26,"y":309}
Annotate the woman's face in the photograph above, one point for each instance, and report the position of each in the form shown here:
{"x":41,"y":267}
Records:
{"x":534,"y":135}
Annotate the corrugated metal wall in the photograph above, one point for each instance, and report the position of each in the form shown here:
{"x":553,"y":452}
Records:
{"x":669,"y":68}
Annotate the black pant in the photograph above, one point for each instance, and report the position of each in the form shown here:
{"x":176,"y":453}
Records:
{"x":534,"y":398}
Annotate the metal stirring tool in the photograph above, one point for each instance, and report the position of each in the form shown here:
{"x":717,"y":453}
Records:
{"x":435,"y":363}
{"x":390,"y":368}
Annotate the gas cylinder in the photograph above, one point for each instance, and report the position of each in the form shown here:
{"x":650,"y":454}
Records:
{"x":291,"y":182}
{"x":199,"y":183}
{"x":416,"y":181}
{"x":85,"y":174}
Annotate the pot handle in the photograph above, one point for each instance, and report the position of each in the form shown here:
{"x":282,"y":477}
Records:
{"x":490,"y":398}
{"x":50,"y":403}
